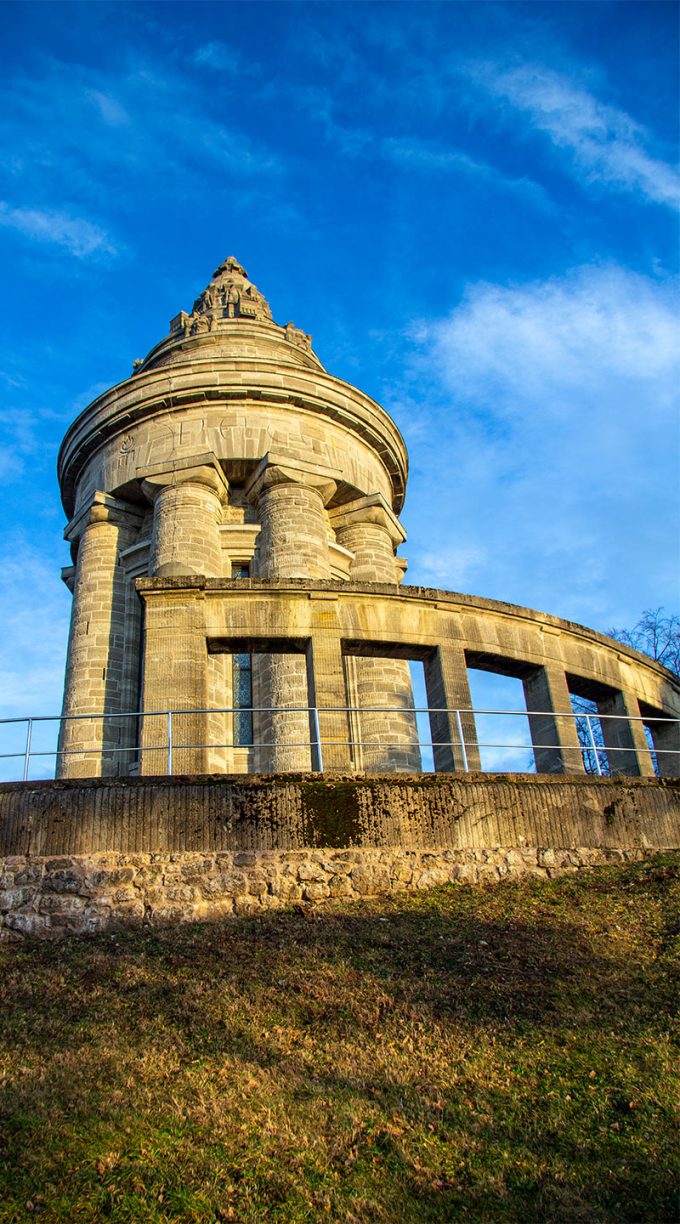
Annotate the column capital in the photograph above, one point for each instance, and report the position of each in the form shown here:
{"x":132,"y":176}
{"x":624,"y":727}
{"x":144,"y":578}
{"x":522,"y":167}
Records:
{"x":276,"y":469}
{"x":201,"y":469}
{"x":103,"y":509}
{"x":370,"y":509}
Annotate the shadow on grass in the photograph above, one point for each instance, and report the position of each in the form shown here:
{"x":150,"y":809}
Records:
{"x":491,"y":1054}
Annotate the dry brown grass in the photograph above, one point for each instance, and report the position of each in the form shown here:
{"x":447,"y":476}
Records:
{"x":485,"y":1054}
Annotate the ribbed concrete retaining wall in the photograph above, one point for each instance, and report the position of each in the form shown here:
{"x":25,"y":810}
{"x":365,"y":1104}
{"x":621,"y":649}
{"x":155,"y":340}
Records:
{"x":297,"y":811}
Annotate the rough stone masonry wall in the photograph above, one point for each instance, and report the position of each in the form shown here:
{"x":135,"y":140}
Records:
{"x":48,"y":898}
{"x":89,"y":854}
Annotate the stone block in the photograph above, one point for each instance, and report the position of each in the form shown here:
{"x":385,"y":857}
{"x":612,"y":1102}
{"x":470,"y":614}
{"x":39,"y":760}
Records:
{"x":15,"y":898}
{"x":370,"y":880}
{"x":315,"y":890}
{"x":55,"y":904}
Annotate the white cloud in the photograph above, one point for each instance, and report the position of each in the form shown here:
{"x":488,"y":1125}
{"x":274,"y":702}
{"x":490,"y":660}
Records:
{"x":78,"y":236}
{"x":605,"y":143}
{"x":419,"y":155}
{"x":455,"y":565}
{"x":110,"y":109}
{"x":563,"y":338}
{"x":552,"y":414}
{"x":78,"y":131}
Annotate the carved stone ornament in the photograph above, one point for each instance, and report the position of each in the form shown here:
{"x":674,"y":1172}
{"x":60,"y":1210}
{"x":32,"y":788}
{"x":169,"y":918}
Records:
{"x":230,"y":295}
{"x":295,"y":336}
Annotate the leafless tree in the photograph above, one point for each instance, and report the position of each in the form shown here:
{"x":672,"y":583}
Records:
{"x":655,"y":635}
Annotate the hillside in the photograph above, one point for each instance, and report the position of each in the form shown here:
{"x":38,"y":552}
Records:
{"x":488,"y":1054}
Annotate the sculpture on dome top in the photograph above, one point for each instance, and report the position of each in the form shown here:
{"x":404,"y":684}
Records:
{"x":230,"y":295}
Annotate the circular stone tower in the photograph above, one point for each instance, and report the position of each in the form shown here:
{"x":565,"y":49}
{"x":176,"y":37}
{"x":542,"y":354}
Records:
{"x":230,"y":453}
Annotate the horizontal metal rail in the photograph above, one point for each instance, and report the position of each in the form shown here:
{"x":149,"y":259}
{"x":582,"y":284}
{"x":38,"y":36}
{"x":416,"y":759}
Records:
{"x":316,"y":742}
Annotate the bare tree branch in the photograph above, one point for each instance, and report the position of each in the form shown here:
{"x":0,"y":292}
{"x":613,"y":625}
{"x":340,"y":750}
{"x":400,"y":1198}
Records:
{"x":655,"y":635}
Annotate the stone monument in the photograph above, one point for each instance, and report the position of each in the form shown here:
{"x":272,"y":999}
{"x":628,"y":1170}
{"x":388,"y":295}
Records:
{"x":234,"y":519}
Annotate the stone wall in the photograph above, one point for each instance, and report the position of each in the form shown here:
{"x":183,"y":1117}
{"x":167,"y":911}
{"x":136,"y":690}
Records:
{"x":84,"y":855}
{"x":53,"y":897}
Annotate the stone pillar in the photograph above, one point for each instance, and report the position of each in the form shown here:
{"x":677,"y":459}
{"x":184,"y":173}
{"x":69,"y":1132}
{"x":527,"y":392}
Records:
{"x":555,"y":740}
{"x":187,"y":516}
{"x":386,"y":738}
{"x":96,"y":671}
{"x":176,"y":676}
{"x":666,"y":740}
{"x":328,"y":692}
{"x":625,"y":741}
{"x":448,"y":690}
{"x":290,"y":500}
{"x":220,"y":723}
{"x":370,"y":530}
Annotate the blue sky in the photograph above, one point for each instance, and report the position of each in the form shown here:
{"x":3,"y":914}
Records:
{"x":472,"y":207}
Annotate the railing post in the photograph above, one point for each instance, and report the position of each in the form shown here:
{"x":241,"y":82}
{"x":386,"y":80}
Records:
{"x":317,"y":754}
{"x":27,"y":755}
{"x":169,"y":742}
{"x":593,"y":745}
{"x":461,"y":737}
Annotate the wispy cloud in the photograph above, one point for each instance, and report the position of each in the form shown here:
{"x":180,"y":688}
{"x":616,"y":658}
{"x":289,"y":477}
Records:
{"x":604,"y":143}
{"x":453,"y":565}
{"x":320,"y":105}
{"x":573,"y":336}
{"x":218,"y":56}
{"x":110,"y":109}
{"x":77,"y":235}
{"x":33,"y":646}
{"x":146,"y":121}
{"x":426,"y":156}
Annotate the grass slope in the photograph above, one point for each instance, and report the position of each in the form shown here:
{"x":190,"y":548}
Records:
{"x":489,"y":1054}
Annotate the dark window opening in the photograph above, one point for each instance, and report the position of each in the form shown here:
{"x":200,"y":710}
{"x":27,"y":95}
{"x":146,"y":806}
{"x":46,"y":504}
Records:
{"x":242,"y":682}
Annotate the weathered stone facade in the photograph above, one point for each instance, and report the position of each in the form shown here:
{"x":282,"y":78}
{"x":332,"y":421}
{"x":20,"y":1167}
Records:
{"x":232,"y":500}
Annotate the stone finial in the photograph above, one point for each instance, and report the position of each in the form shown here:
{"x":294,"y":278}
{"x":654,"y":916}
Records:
{"x":230,"y":295}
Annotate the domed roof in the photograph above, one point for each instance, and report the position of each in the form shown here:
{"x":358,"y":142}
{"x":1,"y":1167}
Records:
{"x":231,"y":315}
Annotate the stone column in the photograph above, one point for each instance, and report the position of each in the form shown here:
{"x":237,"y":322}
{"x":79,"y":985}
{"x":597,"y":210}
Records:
{"x":96,"y":666}
{"x":448,"y":690}
{"x":625,"y":741}
{"x":369,"y":529}
{"x":290,"y":500}
{"x":387,"y":737}
{"x":555,"y":740}
{"x":666,"y":740}
{"x":187,"y":516}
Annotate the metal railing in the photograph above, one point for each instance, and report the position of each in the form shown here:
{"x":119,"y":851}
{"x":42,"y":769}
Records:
{"x":591,"y":743}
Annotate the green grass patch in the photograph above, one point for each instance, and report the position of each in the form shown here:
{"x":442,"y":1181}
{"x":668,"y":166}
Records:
{"x":484,"y":1054}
